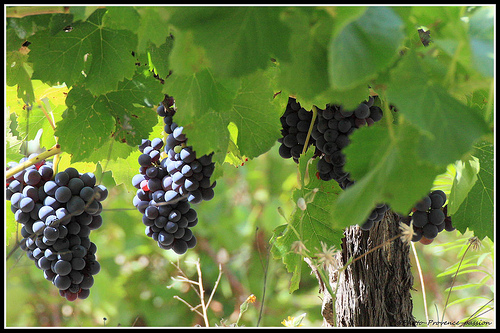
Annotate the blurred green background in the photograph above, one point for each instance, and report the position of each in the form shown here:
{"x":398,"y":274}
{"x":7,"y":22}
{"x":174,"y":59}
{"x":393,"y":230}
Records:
{"x":136,"y":285}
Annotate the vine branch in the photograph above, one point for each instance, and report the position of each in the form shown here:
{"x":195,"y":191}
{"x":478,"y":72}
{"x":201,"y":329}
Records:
{"x":22,"y":11}
{"x":38,"y":158}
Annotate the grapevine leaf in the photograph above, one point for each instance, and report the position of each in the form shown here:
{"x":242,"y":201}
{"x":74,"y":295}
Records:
{"x":187,"y":57}
{"x":199,"y":98}
{"x":237,"y":40}
{"x":59,"y":21}
{"x":86,"y":124}
{"x":17,"y":74}
{"x":218,"y":143}
{"x":61,"y":57}
{"x":477,"y":210}
{"x":313,"y":226}
{"x":160,"y":57}
{"x":256,"y":114}
{"x":121,"y":18}
{"x":152,"y":27}
{"x":125,"y":113}
{"x":84,"y":53}
{"x":344,"y":15}
{"x":12,"y":144}
{"x":464,"y":180}
{"x":306,"y":75}
{"x":384,"y":166}
{"x":364,"y":47}
{"x":104,"y":74}
{"x":26,"y":26}
{"x":428,"y":106}
{"x":148,"y":22}
{"x":349,"y":98}
{"x":196,"y":93}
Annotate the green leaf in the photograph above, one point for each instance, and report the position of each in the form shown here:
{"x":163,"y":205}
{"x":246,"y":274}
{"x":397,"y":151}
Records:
{"x":122,"y":18}
{"x":477,"y":210}
{"x":364,"y":47}
{"x":103,"y":74}
{"x":464,"y":180}
{"x":237,"y":40}
{"x":123,"y":167}
{"x":256,"y":114}
{"x":187,"y":57}
{"x":60,"y":58}
{"x":349,"y":98}
{"x":84,"y":53}
{"x":344,"y":15}
{"x":451,"y":128}
{"x":216,"y":142}
{"x":153,"y":26}
{"x":131,"y":106}
{"x":305,"y":75}
{"x":386,"y":168}
{"x":125,"y":114}
{"x":26,"y":26}
{"x":17,"y":73}
{"x":314,"y":225}
{"x":196,"y":93}
{"x":85,"y":126}
{"x":160,"y":58}
{"x":203,"y":102}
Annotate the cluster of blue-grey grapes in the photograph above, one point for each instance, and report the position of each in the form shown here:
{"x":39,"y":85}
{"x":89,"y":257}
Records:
{"x":429,"y":217}
{"x":295,"y":123}
{"x":57,"y":213}
{"x":166,"y":187}
{"x":329,"y":134}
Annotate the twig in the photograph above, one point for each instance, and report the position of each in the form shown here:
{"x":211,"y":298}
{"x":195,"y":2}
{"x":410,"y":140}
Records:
{"x":202,"y":294}
{"x":192,"y":308}
{"x":215,"y":286}
{"x":38,"y":158}
{"x":200,"y":291}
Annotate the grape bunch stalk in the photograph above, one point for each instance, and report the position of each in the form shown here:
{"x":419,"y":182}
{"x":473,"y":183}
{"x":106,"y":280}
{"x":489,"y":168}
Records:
{"x":57,"y":213}
{"x":171,"y":178}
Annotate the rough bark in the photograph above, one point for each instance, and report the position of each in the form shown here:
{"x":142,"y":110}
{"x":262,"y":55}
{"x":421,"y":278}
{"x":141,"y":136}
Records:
{"x":373,"y":291}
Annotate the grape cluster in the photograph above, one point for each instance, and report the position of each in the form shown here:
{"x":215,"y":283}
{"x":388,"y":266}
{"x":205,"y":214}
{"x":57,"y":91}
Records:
{"x":57,"y":213}
{"x":295,"y":123}
{"x":167,"y":216}
{"x":169,"y":182}
{"x":190,"y":175}
{"x":429,"y":217}
{"x":334,"y":124}
{"x":330,"y":134}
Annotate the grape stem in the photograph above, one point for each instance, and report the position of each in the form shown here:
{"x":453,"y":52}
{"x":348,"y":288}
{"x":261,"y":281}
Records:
{"x":311,"y":126}
{"x":55,"y":150}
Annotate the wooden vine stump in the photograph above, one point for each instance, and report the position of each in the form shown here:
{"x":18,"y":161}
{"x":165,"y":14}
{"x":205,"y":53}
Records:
{"x":373,"y":291}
